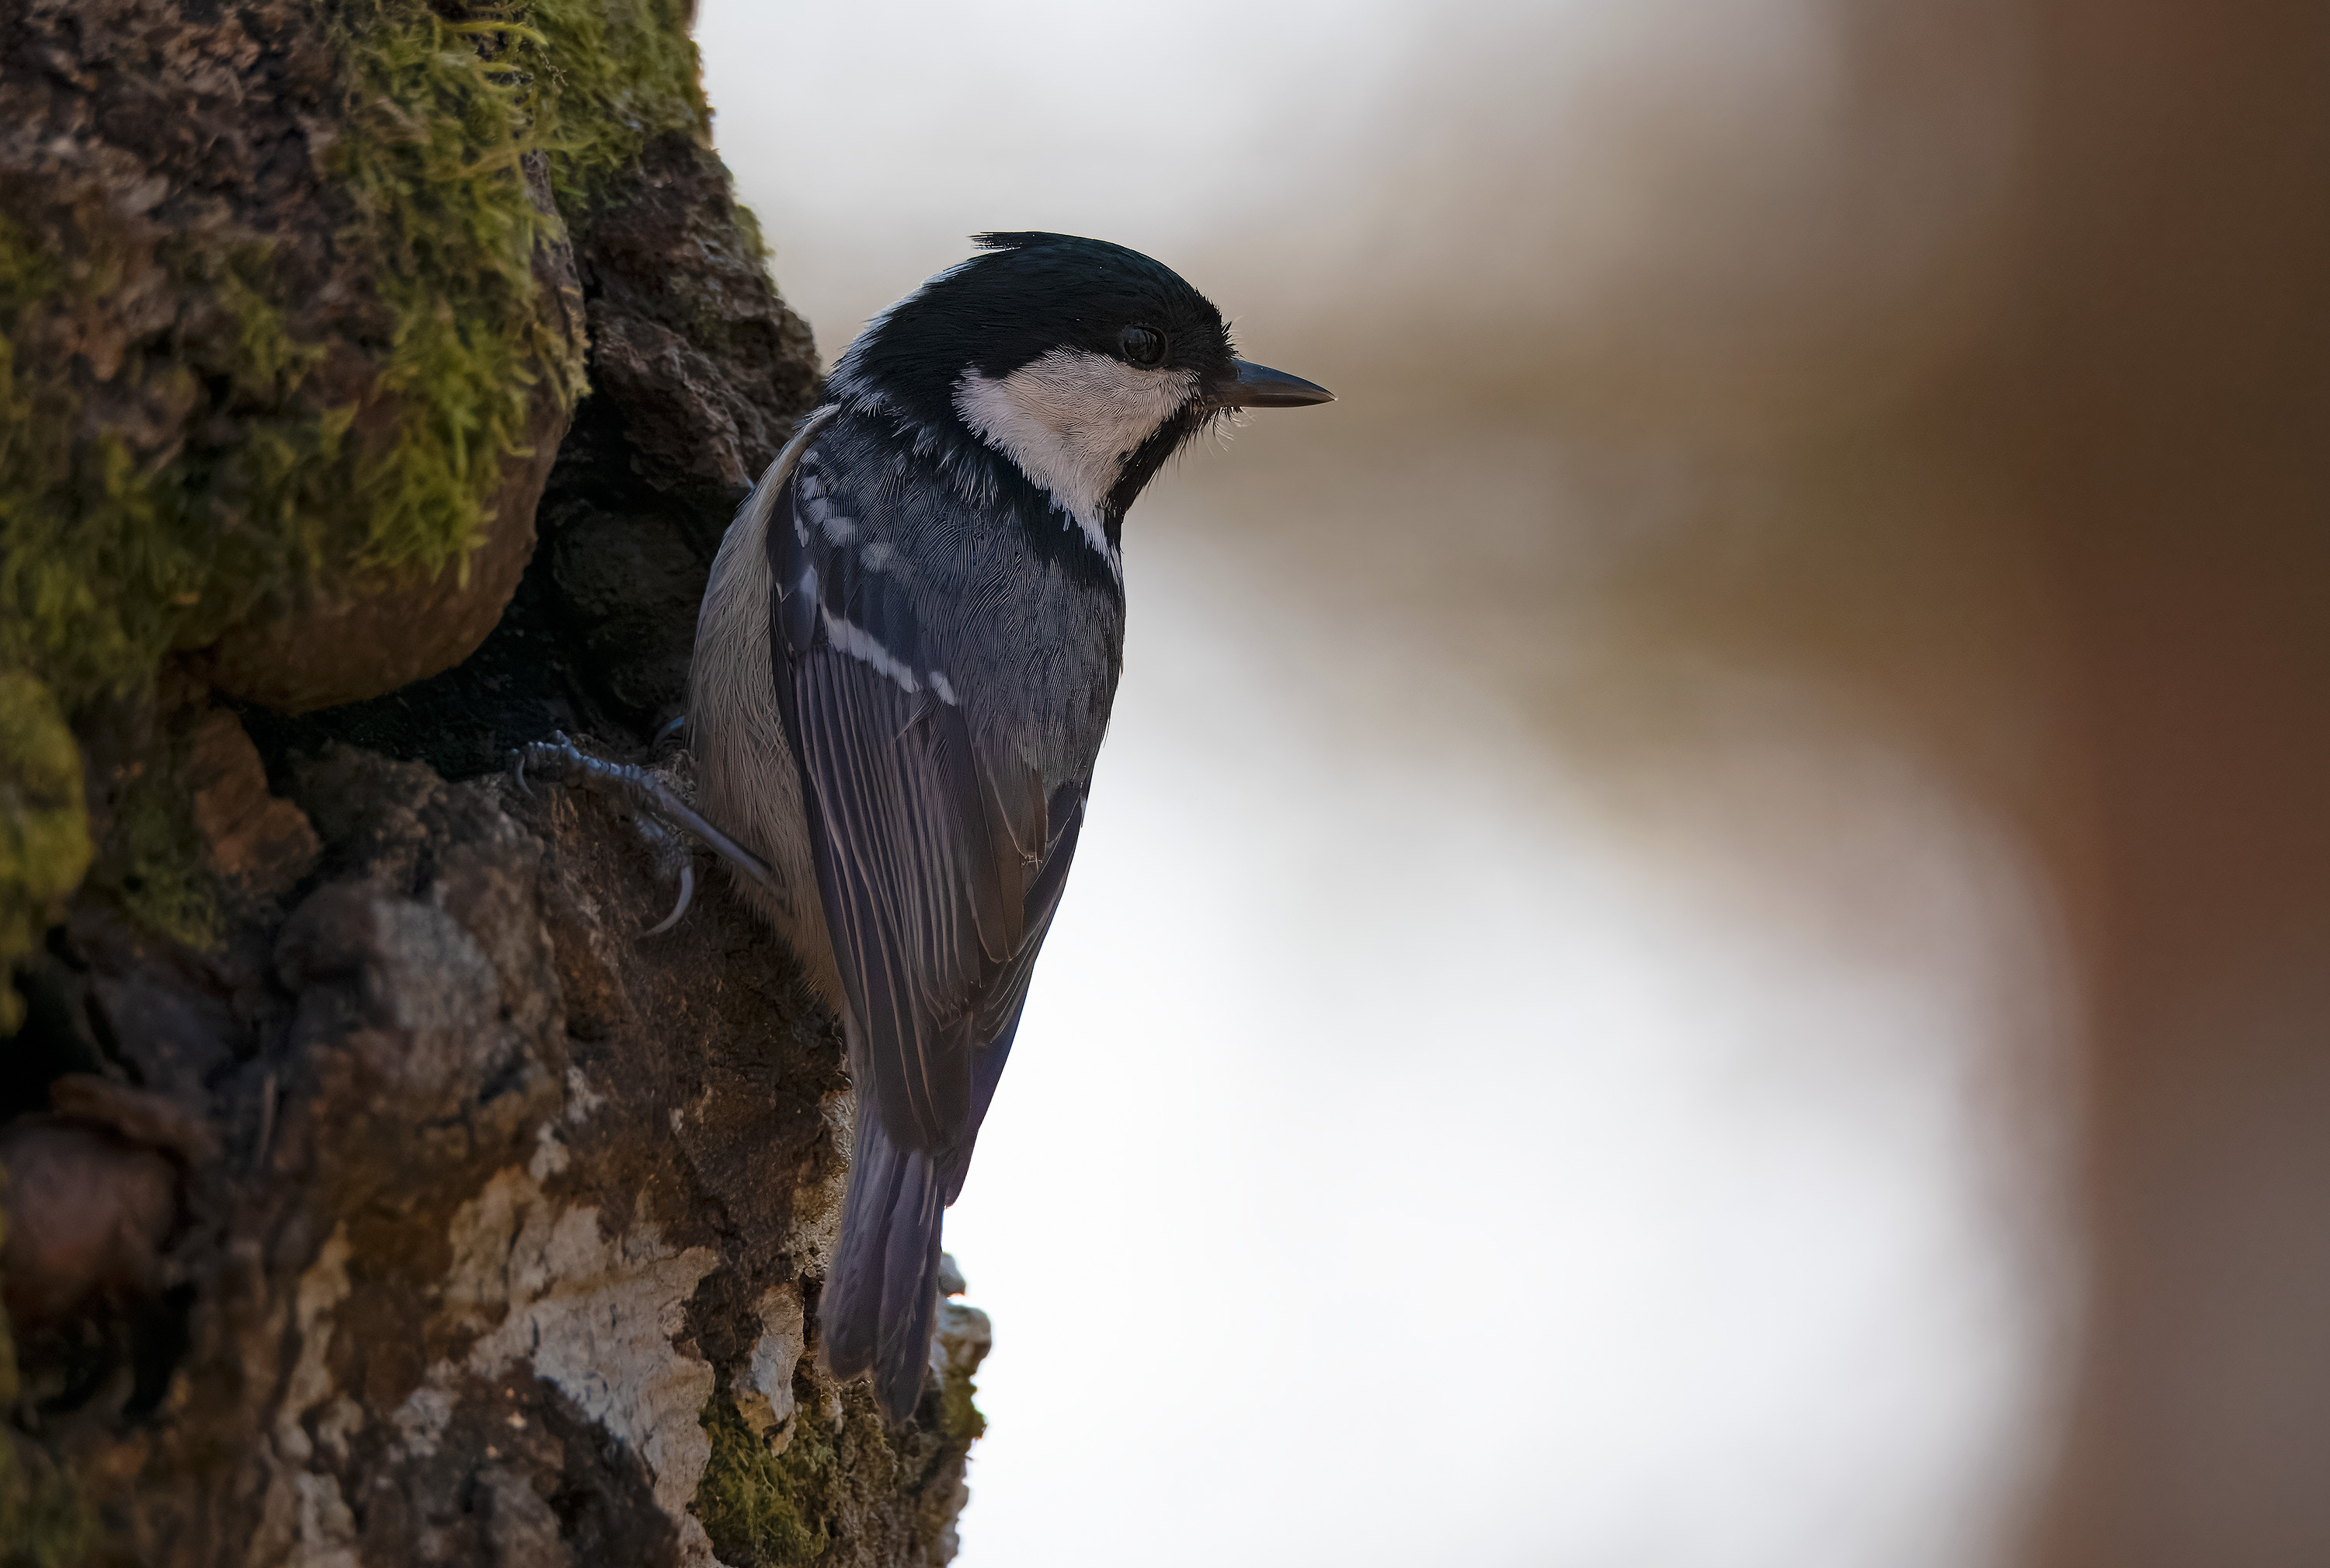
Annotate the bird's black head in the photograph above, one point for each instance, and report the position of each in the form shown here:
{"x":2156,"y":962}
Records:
{"x":1085,"y":364}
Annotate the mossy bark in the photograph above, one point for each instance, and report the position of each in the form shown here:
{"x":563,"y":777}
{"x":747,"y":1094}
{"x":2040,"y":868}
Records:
{"x":376,"y":379}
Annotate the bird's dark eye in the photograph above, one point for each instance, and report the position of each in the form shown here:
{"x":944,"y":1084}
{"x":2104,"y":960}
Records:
{"x":1142,"y":345}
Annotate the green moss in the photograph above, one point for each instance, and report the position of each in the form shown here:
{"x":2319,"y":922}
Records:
{"x":152,"y":859}
{"x":156,"y":499}
{"x":89,"y":574}
{"x":765,"y":1509}
{"x":45,"y":1522}
{"x":748,"y":223}
{"x":439,"y":122}
{"x":43,"y":822}
{"x":959,"y":1420}
{"x":618,"y":73}
{"x":267,"y":503}
{"x":108,"y":552}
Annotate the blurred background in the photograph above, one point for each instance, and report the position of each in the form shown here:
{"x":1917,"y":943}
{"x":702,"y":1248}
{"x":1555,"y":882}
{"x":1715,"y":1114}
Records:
{"x":1705,"y":934}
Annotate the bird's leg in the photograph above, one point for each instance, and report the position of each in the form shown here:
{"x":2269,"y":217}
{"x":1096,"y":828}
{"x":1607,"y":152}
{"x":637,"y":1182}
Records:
{"x":661,"y":814}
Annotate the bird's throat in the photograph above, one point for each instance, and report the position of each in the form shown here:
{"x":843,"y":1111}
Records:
{"x":1068,"y":420}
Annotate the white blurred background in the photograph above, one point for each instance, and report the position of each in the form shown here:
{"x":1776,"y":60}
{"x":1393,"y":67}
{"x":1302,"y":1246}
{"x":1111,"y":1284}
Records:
{"x":1533,"y":1068}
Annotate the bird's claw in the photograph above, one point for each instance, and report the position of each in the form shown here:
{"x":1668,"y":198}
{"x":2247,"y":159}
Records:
{"x":686,"y":894}
{"x":559,"y":759}
{"x":662,"y":815}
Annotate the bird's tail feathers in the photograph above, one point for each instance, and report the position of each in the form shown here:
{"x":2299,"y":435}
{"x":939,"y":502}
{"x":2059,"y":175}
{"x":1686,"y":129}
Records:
{"x":881,"y":1293}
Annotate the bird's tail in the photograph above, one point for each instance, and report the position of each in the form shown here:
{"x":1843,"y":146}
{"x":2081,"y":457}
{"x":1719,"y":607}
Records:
{"x":881,"y":1293}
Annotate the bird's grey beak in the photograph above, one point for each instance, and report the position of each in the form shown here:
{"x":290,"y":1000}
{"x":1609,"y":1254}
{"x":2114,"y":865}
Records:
{"x":1260,"y":387}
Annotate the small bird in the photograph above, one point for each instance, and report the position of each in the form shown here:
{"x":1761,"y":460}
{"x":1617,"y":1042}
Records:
{"x":903,"y":668}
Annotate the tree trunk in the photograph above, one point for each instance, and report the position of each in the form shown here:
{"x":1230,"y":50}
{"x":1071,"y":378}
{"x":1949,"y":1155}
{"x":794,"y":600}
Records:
{"x":379,"y":379}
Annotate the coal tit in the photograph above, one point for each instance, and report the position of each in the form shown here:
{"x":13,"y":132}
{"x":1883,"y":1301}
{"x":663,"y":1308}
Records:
{"x":903,"y":666}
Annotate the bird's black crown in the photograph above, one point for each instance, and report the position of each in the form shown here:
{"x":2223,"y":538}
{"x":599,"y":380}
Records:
{"x":1025,"y":296}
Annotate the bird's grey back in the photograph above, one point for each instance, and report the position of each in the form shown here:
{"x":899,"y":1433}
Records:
{"x":1010,"y":602}
{"x":969,"y":552}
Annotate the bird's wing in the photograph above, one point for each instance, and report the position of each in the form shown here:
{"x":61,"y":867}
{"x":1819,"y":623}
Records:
{"x":939,"y":862}
{"x":999,"y":1013}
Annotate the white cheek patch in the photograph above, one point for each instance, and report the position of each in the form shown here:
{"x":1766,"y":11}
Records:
{"x":1069,"y":420}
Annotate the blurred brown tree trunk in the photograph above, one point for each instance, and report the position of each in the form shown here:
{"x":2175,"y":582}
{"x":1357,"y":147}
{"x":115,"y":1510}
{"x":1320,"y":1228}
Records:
{"x":2162,"y":385}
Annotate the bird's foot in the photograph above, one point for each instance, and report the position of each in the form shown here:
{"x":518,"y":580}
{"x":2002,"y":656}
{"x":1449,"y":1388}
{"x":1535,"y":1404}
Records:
{"x":661,"y":815}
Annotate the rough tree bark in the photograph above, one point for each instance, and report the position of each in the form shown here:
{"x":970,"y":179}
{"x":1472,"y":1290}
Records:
{"x":376,"y":379}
